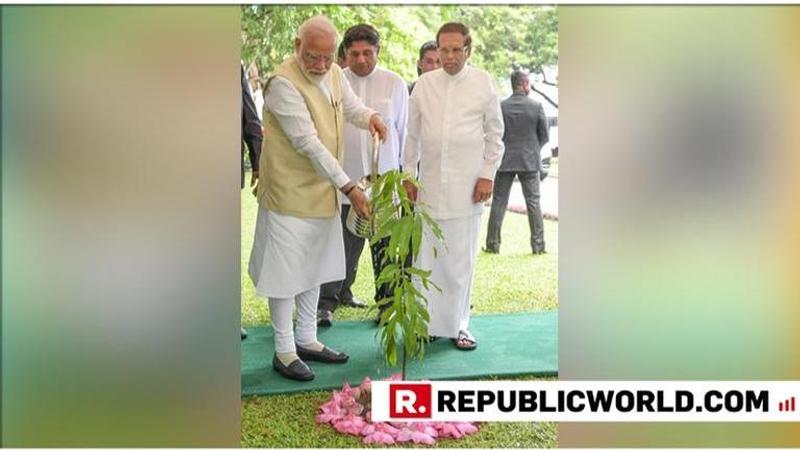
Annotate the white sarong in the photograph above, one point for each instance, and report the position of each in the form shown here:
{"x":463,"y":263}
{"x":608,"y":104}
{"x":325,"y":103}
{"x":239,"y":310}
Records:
{"x":452,"y":271}
{"x":292,"y":255}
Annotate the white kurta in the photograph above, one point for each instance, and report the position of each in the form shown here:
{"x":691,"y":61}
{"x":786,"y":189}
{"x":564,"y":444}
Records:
{"x":386,"y":93}
{"x":290,"y":254}
{"x":455,"y":131}
{"x":258,"y":99}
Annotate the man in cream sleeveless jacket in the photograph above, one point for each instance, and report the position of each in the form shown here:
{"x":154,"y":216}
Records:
{"x":298,"y":237}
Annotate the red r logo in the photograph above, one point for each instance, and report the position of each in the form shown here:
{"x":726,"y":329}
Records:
{"x":410,"y":401}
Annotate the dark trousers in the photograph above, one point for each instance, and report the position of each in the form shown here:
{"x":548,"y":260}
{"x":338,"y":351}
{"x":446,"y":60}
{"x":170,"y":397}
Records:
{"x":333,"y":293}
{"x":530,"y":189}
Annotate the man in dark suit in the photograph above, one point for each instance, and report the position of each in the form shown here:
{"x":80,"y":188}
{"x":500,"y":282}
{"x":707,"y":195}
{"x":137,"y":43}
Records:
{"x":252,"y":135}
{"x":525,"y":133}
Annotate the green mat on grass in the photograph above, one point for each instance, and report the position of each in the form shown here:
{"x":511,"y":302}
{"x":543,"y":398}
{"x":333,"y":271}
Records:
{"x":508,"y":344}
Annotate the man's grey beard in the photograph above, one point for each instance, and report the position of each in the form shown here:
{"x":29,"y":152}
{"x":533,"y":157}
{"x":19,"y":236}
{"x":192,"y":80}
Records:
{"x":318,"y":79}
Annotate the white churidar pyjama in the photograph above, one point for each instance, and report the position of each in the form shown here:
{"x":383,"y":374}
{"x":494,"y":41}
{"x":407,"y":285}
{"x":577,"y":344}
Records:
{"x":280,"y":310}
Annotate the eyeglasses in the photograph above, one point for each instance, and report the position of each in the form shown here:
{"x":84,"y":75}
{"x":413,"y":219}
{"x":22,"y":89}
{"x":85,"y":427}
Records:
{"x":314,"y":58}
{"x":444,"y":51}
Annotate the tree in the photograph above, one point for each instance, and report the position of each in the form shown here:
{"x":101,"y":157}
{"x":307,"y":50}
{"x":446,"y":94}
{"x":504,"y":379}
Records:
{"x":268,"y":32}
{"x":404,"y":318}
{"x":505,"y":37}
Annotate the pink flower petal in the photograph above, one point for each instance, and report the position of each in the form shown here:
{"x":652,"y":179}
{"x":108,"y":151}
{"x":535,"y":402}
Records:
{"x":356,"y":426}
{"x":387,"y":428}
{"x":450,"y":430}
{"x":466,"y":427}
{"x":325,"y":418}
{"x":404,"y":435}
{"x":431,"y":431}
{"x":422,"y":438}
{"x":386,"y":438}
{"x":379,"y":438}
{"x":340,"y":426}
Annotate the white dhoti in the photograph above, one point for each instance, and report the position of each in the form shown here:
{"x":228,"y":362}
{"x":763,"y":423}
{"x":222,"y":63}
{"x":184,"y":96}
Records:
{"x":291,"y":258}
{"x":452,"y":271}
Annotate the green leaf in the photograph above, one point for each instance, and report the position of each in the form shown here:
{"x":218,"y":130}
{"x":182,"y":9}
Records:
{"x":418,"y":272}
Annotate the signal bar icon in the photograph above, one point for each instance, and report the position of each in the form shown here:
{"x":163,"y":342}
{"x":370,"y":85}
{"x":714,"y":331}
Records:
{"x":786,"y":405}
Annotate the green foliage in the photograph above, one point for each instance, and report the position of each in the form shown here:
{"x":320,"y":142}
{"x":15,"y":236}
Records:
{"x":505,"y":37}
{"x":404,"y":321}
{"x":508,"y":37}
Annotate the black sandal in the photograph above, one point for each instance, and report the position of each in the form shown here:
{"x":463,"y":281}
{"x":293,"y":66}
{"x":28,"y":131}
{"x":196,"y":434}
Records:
{"x":465,"y":341}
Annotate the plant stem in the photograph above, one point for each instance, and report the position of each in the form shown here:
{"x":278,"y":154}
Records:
{"x":403,"y":275}
{"x":404,"y":364}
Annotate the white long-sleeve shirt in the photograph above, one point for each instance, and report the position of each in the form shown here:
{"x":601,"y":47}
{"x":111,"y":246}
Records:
{"x":455,"y":132}
{"x":291,"y":112}
{"x":387,"y":94}
{"x":258,"y":99}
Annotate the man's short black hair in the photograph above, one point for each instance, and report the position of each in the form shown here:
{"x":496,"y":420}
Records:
{"x":426,"y":47}
{"x":456,"y":27}
{"x":516,"y":78}
{"x":361,"y":32}
{"x":341,"y":53}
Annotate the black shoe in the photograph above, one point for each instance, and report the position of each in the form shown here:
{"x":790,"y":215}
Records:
{"x":326,"y":355}
{"x":297,"y":370}
{"x":353,"y":303}
{"x":324,"y":318}
{"x":244,"y":334}
{"x":539,"y":252}
{"x":493,"y":251}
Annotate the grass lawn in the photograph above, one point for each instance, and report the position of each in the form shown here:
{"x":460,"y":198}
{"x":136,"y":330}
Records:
{"x":513,"y":281}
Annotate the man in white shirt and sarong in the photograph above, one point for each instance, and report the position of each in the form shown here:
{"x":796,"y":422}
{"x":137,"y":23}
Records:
{"x":385,"y":92}
{"x":298,"y":236}
{"x":455,"y":130}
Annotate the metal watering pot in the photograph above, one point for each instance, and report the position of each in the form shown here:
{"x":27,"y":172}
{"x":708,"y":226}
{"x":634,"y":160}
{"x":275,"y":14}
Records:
{"x":360,"y":227}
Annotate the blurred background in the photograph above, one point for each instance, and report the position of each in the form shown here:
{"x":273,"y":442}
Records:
{"x":120,"y":306}
{"x":678,"y":207}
